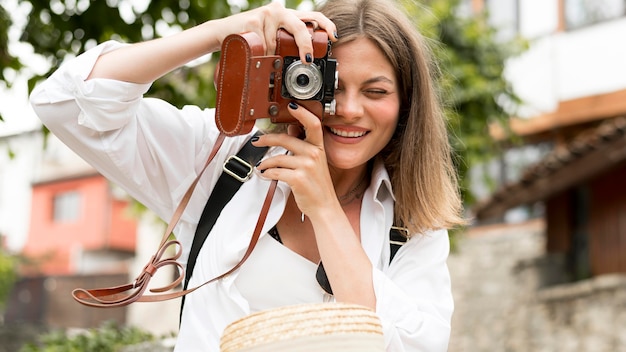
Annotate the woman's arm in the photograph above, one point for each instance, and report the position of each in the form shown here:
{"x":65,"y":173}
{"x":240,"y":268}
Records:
{"x":147,"y":61}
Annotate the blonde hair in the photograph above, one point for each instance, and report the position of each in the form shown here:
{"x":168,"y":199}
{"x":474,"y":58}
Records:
{"x":418,"y":157}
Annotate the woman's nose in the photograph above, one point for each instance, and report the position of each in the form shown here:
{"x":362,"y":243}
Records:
{"x":348,"y":106}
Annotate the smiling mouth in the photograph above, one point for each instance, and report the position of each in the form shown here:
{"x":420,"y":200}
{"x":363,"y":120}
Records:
{"x":347,"y":134}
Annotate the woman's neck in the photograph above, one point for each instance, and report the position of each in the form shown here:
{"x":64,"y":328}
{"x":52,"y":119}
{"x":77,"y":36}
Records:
{"x":350,"y":184}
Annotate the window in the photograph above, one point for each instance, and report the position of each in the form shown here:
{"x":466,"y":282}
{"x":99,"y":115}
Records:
{"x":580,"y":13}
{"x":504,"y":15}
{"x":66,"y":207}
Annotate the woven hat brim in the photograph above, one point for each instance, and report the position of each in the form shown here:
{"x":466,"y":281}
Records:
{"x":320,"y":323}
{"x":330,"y":343}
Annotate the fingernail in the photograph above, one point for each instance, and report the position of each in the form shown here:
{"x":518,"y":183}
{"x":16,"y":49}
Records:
{"x":262,"y":171}
{"x":254,"y":139}
{"x":258,"y":163}
{"x":336,"y":35}
{"x":293,"y":105}
{"x":309,"y":58}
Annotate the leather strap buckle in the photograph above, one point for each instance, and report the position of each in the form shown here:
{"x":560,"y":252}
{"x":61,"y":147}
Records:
{"x":238,"y":168}
{"x":399,"y":235}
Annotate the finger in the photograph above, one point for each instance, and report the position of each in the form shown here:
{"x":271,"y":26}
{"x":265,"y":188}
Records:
{"x":321,"y":22}
{"x":293,"y":170}
{"x":302,"y":37}
{"x":281,"y":161}
{"x":294,"y":145}
{"x":313,"y":24}
{"x":312,"y":124}
{"x":266,"y":22}
{"x":270,"y":38}
{"x":295,"y":179}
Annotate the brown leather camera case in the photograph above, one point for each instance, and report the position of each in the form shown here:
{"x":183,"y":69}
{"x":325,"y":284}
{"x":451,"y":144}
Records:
{"x":248,"y":83}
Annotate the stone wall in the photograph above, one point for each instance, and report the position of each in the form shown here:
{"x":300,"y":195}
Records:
{"x":510,"y":296}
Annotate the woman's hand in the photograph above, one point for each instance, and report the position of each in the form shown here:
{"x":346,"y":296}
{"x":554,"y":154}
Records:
{"x":305,"y":169}
{"x":266,"y":20}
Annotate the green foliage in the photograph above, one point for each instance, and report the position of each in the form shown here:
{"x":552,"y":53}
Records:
{"x":7,"y":61}
{"x":471,"y":62}
{"x":8,"y":276}
{"x":110,"y":337}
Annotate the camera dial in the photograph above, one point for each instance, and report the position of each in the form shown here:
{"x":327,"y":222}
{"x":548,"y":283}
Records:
{"x":303,"y":81}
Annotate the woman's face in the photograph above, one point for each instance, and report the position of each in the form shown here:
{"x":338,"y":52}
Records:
{"x":368,"y":104}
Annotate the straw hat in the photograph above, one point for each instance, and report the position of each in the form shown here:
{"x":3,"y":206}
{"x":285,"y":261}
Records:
{"x":325,"y":327}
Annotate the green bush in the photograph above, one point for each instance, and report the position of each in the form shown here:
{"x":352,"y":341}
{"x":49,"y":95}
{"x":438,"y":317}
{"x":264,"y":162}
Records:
{"x":110,"y":337}
{"x":8,"y":275}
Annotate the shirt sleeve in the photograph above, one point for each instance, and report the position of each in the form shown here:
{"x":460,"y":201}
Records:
{"x":414,"y":298}
{"x":148,"y":147}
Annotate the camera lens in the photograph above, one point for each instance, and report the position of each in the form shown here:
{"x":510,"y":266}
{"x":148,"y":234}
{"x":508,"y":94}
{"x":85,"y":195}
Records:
{"x":303,"y":81}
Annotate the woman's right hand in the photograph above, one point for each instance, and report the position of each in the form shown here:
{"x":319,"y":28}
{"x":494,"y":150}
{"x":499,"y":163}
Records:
{"x":266,"y":20}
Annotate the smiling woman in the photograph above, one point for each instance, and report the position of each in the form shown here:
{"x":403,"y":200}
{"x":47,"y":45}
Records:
{"x":379,"y":165}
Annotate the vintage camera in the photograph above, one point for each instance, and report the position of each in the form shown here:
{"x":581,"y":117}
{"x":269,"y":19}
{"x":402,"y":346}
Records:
{"x":252,"y":86}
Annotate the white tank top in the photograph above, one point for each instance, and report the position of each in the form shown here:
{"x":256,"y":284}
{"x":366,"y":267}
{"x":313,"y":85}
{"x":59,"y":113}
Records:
{"x":275,"y":276}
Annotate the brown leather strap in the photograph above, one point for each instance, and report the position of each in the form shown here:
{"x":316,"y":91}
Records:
{"x":123,"y":295}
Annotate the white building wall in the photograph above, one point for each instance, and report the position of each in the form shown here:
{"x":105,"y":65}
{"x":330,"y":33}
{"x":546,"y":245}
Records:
{"x":16,"y":175}
{"x":565,"y":65}
{"x":20,"y":153}
{"x":591,"y":61}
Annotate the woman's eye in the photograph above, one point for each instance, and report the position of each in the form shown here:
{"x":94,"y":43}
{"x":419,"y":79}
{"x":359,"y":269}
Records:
{"x":376,"y":91}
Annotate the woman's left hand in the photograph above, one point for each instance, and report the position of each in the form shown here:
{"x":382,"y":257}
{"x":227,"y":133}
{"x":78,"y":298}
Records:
{"x":305,"y":169}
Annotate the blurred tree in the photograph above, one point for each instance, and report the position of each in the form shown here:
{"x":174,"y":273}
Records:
{"x":473,"y":87}
{"x":8,"y":275}
{"x":7,"y":61}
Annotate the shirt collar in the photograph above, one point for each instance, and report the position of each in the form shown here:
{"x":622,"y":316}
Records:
{"x":381,"y":181}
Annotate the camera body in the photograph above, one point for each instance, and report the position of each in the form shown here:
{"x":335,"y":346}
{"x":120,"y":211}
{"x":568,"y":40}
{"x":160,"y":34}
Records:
{"x":252,"y":86}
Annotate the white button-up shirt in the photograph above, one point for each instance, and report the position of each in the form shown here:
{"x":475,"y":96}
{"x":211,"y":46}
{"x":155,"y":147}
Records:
{"x":154,"y":151}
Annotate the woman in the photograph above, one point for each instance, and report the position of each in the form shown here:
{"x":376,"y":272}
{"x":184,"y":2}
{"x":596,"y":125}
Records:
{"x":383,"y":159}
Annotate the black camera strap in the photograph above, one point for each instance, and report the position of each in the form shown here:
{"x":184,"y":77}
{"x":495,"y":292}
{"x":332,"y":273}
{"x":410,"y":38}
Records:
{"x":237,"y":170}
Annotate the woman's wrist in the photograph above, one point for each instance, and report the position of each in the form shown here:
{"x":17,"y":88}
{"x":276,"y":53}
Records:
{"x":213,"y":32}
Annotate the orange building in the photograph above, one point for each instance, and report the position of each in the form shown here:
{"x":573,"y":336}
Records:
{"x":79,"y":226}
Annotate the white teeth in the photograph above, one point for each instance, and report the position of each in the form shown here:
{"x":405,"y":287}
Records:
{"x":351,"y":134}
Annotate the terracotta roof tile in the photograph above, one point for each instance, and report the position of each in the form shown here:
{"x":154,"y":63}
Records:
{"x":596,"y":139}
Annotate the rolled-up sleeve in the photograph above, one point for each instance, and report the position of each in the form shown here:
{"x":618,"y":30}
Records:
{"x":69,"y":83}
{"x":414,"y":298}
{"x":147,"y":146}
